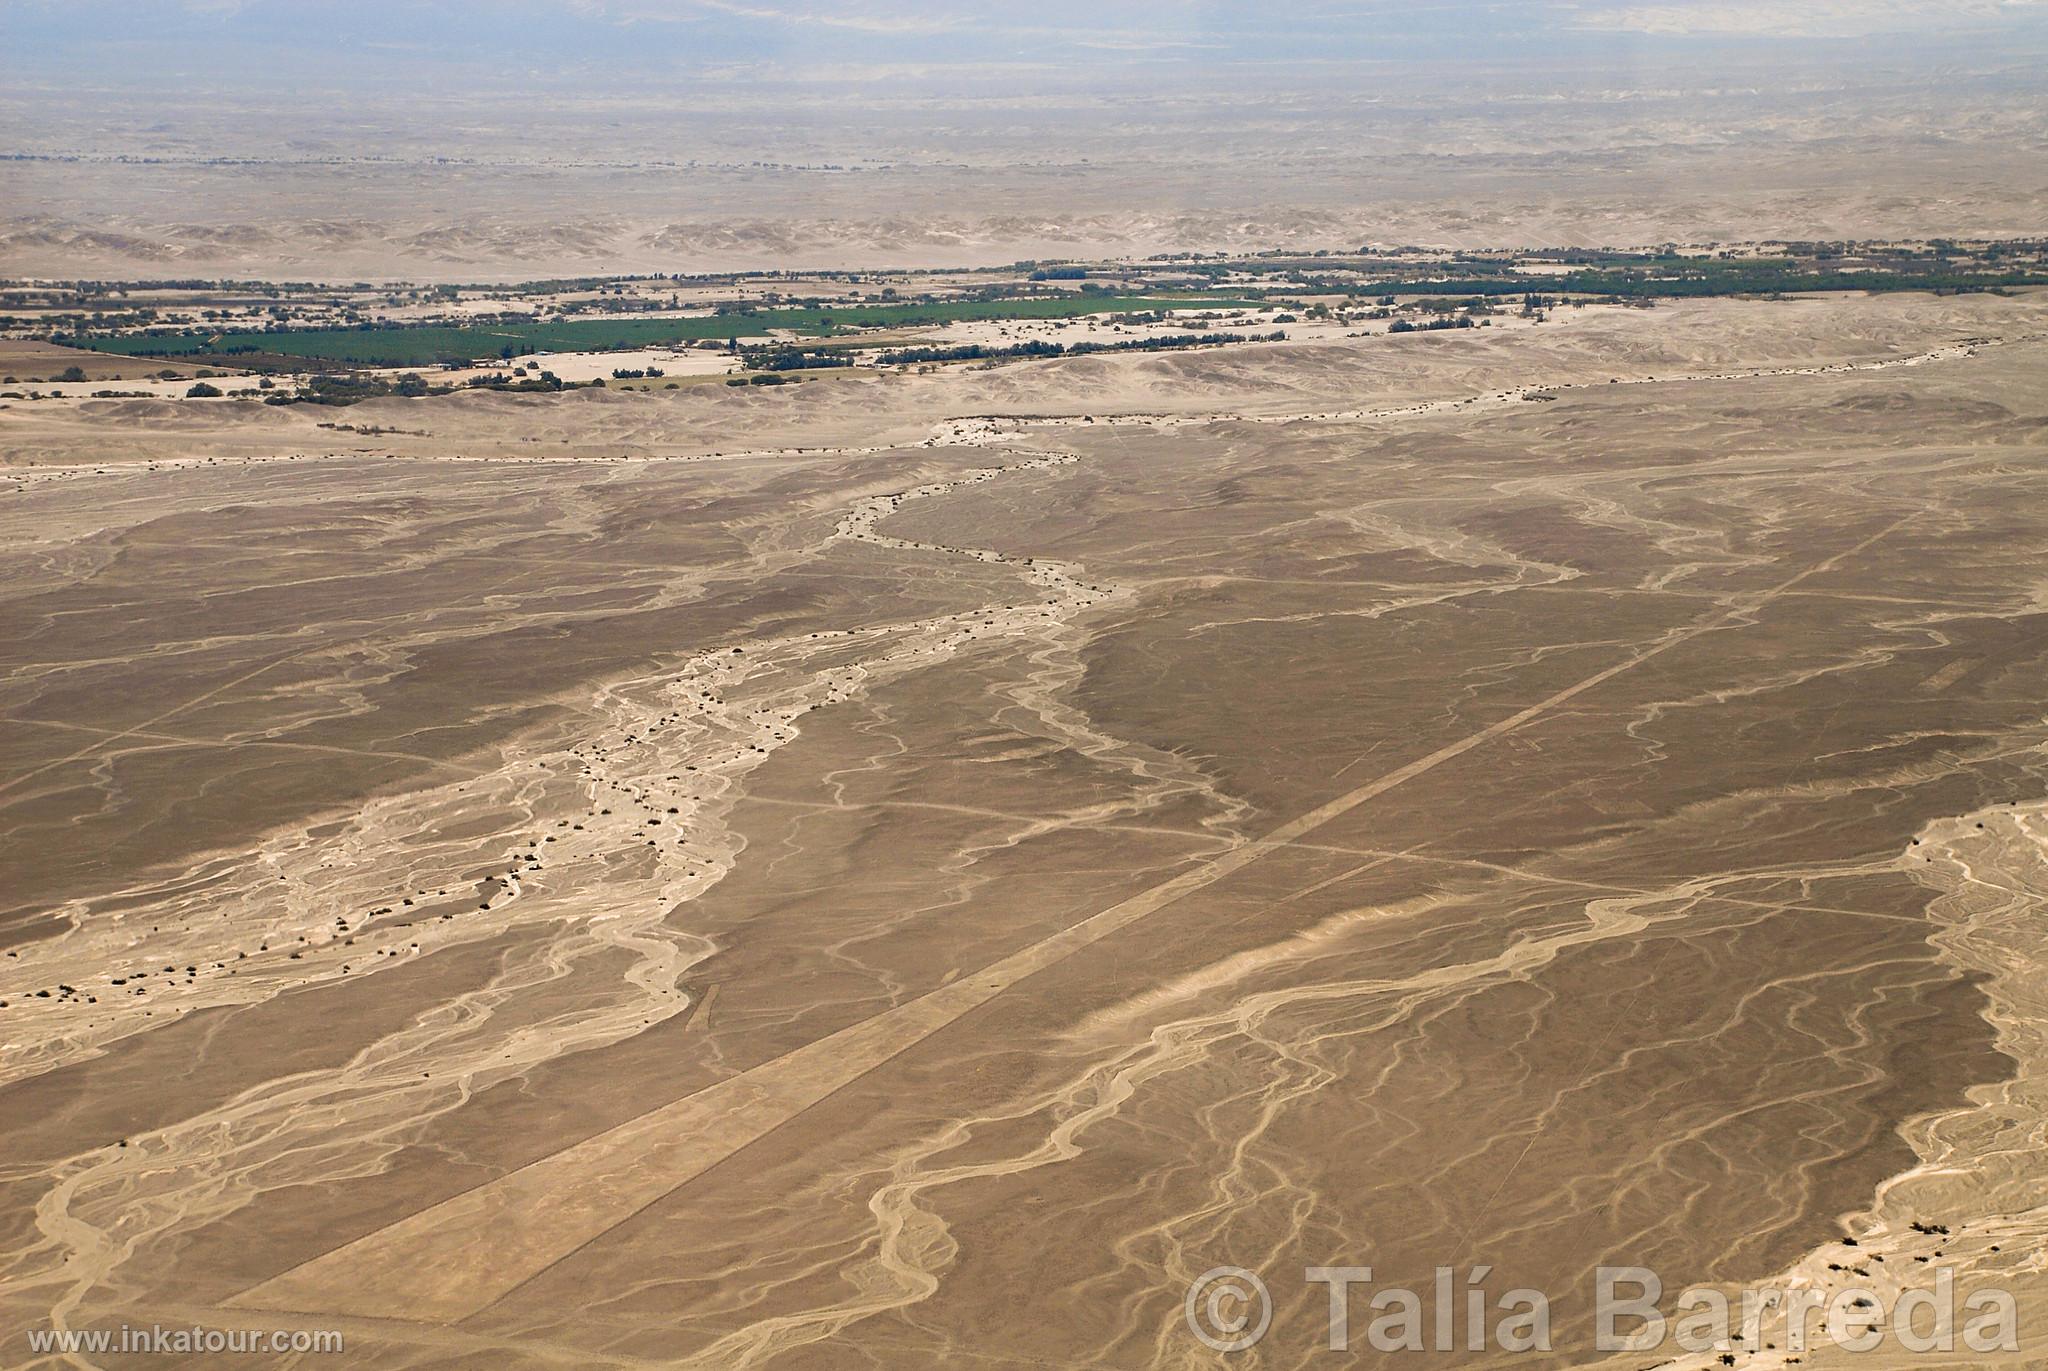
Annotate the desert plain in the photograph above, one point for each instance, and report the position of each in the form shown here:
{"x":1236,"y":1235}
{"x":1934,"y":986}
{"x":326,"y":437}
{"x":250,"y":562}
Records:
{"x":913,"y":869}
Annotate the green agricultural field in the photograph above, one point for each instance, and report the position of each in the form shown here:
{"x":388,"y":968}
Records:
{"x":397,"y":346}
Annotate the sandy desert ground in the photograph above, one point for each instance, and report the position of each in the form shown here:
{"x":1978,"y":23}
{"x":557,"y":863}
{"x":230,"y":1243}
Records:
{"x":911,"y":869}
{"x":283,"y":221}
{"x":908,"y":168}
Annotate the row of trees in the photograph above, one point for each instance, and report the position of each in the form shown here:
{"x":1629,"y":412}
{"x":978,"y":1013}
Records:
{"x":1037,"y":347}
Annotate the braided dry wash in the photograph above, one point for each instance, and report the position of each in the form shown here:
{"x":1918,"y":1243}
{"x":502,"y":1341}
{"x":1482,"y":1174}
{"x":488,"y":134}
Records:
{"x":661,"y":755}
{"x":1975,"y":1205}
{"x":1389,"y":791}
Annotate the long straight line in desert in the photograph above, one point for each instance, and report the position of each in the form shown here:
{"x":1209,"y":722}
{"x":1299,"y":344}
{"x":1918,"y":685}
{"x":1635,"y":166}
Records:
{"x":456,"y":1258}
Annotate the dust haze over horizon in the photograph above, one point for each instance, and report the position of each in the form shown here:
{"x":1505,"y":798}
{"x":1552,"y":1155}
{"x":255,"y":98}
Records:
{"x":471,"y":140}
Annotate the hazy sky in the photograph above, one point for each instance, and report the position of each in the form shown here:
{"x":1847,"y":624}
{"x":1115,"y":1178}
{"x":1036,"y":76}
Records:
{"x":232,"y":45}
